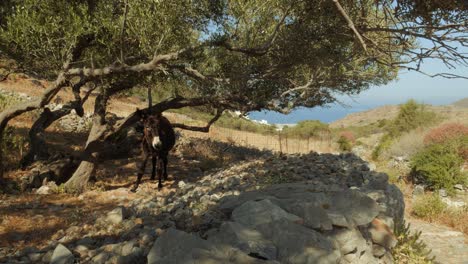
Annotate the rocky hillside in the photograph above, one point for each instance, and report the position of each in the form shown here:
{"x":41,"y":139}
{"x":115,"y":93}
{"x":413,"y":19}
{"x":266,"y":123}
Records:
{"x":461,"y":103}
{"x":272,"y":209}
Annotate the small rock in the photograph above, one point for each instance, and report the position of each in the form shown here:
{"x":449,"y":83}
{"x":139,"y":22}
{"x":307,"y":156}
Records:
{"x":43,"y":190}
{"x":62,"y":255}
{"x":101,"y":258}
{"x":34,"y":257}
{"x":442,"y":193}
{"x":458,"y":187}
{"x":82,"y":249}
{"x":378,"y":251}
{"x":418,"y":190}
{"x":127,"y":248}
{"x":47,"y":256}
{"x":181,"y":185}
{"x":115,"y":216}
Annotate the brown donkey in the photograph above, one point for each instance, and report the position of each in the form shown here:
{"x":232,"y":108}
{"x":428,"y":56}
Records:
{"x":158,"y":139}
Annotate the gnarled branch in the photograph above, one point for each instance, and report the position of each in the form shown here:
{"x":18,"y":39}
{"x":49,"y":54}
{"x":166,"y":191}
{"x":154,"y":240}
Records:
{"x":204,"y":129}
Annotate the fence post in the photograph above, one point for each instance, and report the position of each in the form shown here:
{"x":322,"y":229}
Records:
{"x":286,"y":144}
{"x":280,"y":145}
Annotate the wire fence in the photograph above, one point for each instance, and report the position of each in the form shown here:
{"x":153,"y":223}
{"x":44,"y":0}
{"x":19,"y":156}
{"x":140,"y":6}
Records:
{"x":280,"y":142}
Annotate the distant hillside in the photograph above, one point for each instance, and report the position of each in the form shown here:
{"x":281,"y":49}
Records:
{"x":451,"y":113}
{"x":461,"y":103}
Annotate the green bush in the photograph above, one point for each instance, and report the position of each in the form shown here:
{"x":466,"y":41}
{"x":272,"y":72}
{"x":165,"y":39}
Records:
{"x":306,"y":129}
{"x":385,"y":142}
{"x":411,"y":115}
{"x":428,"y":206}
{"x":344,"y":144}
{"x":439,"y":165}
{"x":6,"y":101}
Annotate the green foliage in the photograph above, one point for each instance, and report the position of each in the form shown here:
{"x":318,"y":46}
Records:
{"x":344,"y":144}
{"x":428,"y":206}
{"x":307,"y":129}
{"x":13,"y":146}
{"x":409,"y":248}
{"x":228,"y":121}
{"x":242,"y":124}
{"x":385,"y":142}
{"x":410,"y":116}
{"x":439,"y":165}
{"x":6,"y":101}
{"x":39,"y":35}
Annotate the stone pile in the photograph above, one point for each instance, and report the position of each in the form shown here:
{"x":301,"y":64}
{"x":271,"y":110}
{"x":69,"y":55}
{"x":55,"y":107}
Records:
{"x":273,"y":209}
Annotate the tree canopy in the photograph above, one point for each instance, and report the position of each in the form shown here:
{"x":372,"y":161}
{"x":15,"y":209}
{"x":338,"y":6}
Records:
{"x":266,"y":54}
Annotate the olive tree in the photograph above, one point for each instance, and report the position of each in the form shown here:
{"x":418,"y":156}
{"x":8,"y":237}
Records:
{"x":242,"y":55}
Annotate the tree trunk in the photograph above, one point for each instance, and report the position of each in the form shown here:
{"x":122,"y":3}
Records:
{"x":38,"y":149}
{"x":1,"y":160}
{"x":88,"y":167}
{"x":81,"y":176}
{"x":14,"y":111}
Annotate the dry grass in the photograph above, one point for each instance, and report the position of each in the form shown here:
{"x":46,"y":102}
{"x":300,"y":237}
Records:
{"x":456,"y":218}
{"x":31,"y":220}
{"x":406,"y":145}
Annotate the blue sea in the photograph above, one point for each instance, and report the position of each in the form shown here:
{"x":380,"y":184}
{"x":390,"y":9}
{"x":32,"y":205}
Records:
{"x":335,"y":112}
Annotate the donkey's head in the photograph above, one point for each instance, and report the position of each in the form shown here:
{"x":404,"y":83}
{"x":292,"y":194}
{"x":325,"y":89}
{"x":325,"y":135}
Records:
{"x":151,"y":124}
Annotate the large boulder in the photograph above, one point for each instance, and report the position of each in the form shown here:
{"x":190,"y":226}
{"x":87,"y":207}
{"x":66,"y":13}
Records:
{"x":253,"y":213}
{"x":298,"y":244}
{"x":176,"y":246}
{"x":246,"y":239}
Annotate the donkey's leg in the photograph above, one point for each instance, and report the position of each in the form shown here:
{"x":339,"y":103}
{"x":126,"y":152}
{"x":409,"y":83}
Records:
{"x":164,"y":159}
{"x":153,"y":166}
{"x":160,"y":171}
{"x":141,"y":171}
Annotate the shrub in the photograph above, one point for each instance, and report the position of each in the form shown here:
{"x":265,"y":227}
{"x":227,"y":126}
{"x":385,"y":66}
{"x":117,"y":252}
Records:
{"x":346,"y":141}
{"x":385,"y":142}
{"x":445,"y":133}
{"x":307,"y":129}
{"x":428,"y":206}
{"x":409,"y":248}
{"x":439,"y":165}
{"x":410,"y":116}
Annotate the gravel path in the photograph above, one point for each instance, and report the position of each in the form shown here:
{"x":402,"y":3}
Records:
{"x":448,"y":246}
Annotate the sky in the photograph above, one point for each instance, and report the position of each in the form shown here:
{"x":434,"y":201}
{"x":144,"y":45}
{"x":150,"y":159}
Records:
{"x":415,"y":85}
{"x":409,"y":85}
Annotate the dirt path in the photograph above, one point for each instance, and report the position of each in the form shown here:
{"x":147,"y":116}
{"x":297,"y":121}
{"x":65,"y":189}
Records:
{"x":448,"y":246}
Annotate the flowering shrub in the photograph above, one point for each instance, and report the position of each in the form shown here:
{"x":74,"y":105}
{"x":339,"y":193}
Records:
{"x":348,"y":135}
{"x":445,"y":133}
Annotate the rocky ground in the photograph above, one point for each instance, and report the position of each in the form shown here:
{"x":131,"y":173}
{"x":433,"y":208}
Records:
{"x":447,"y":245}
{"x":272,"y":209}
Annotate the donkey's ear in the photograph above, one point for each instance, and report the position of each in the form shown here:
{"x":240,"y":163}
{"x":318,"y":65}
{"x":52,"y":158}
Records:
{"x":141,"y":114}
